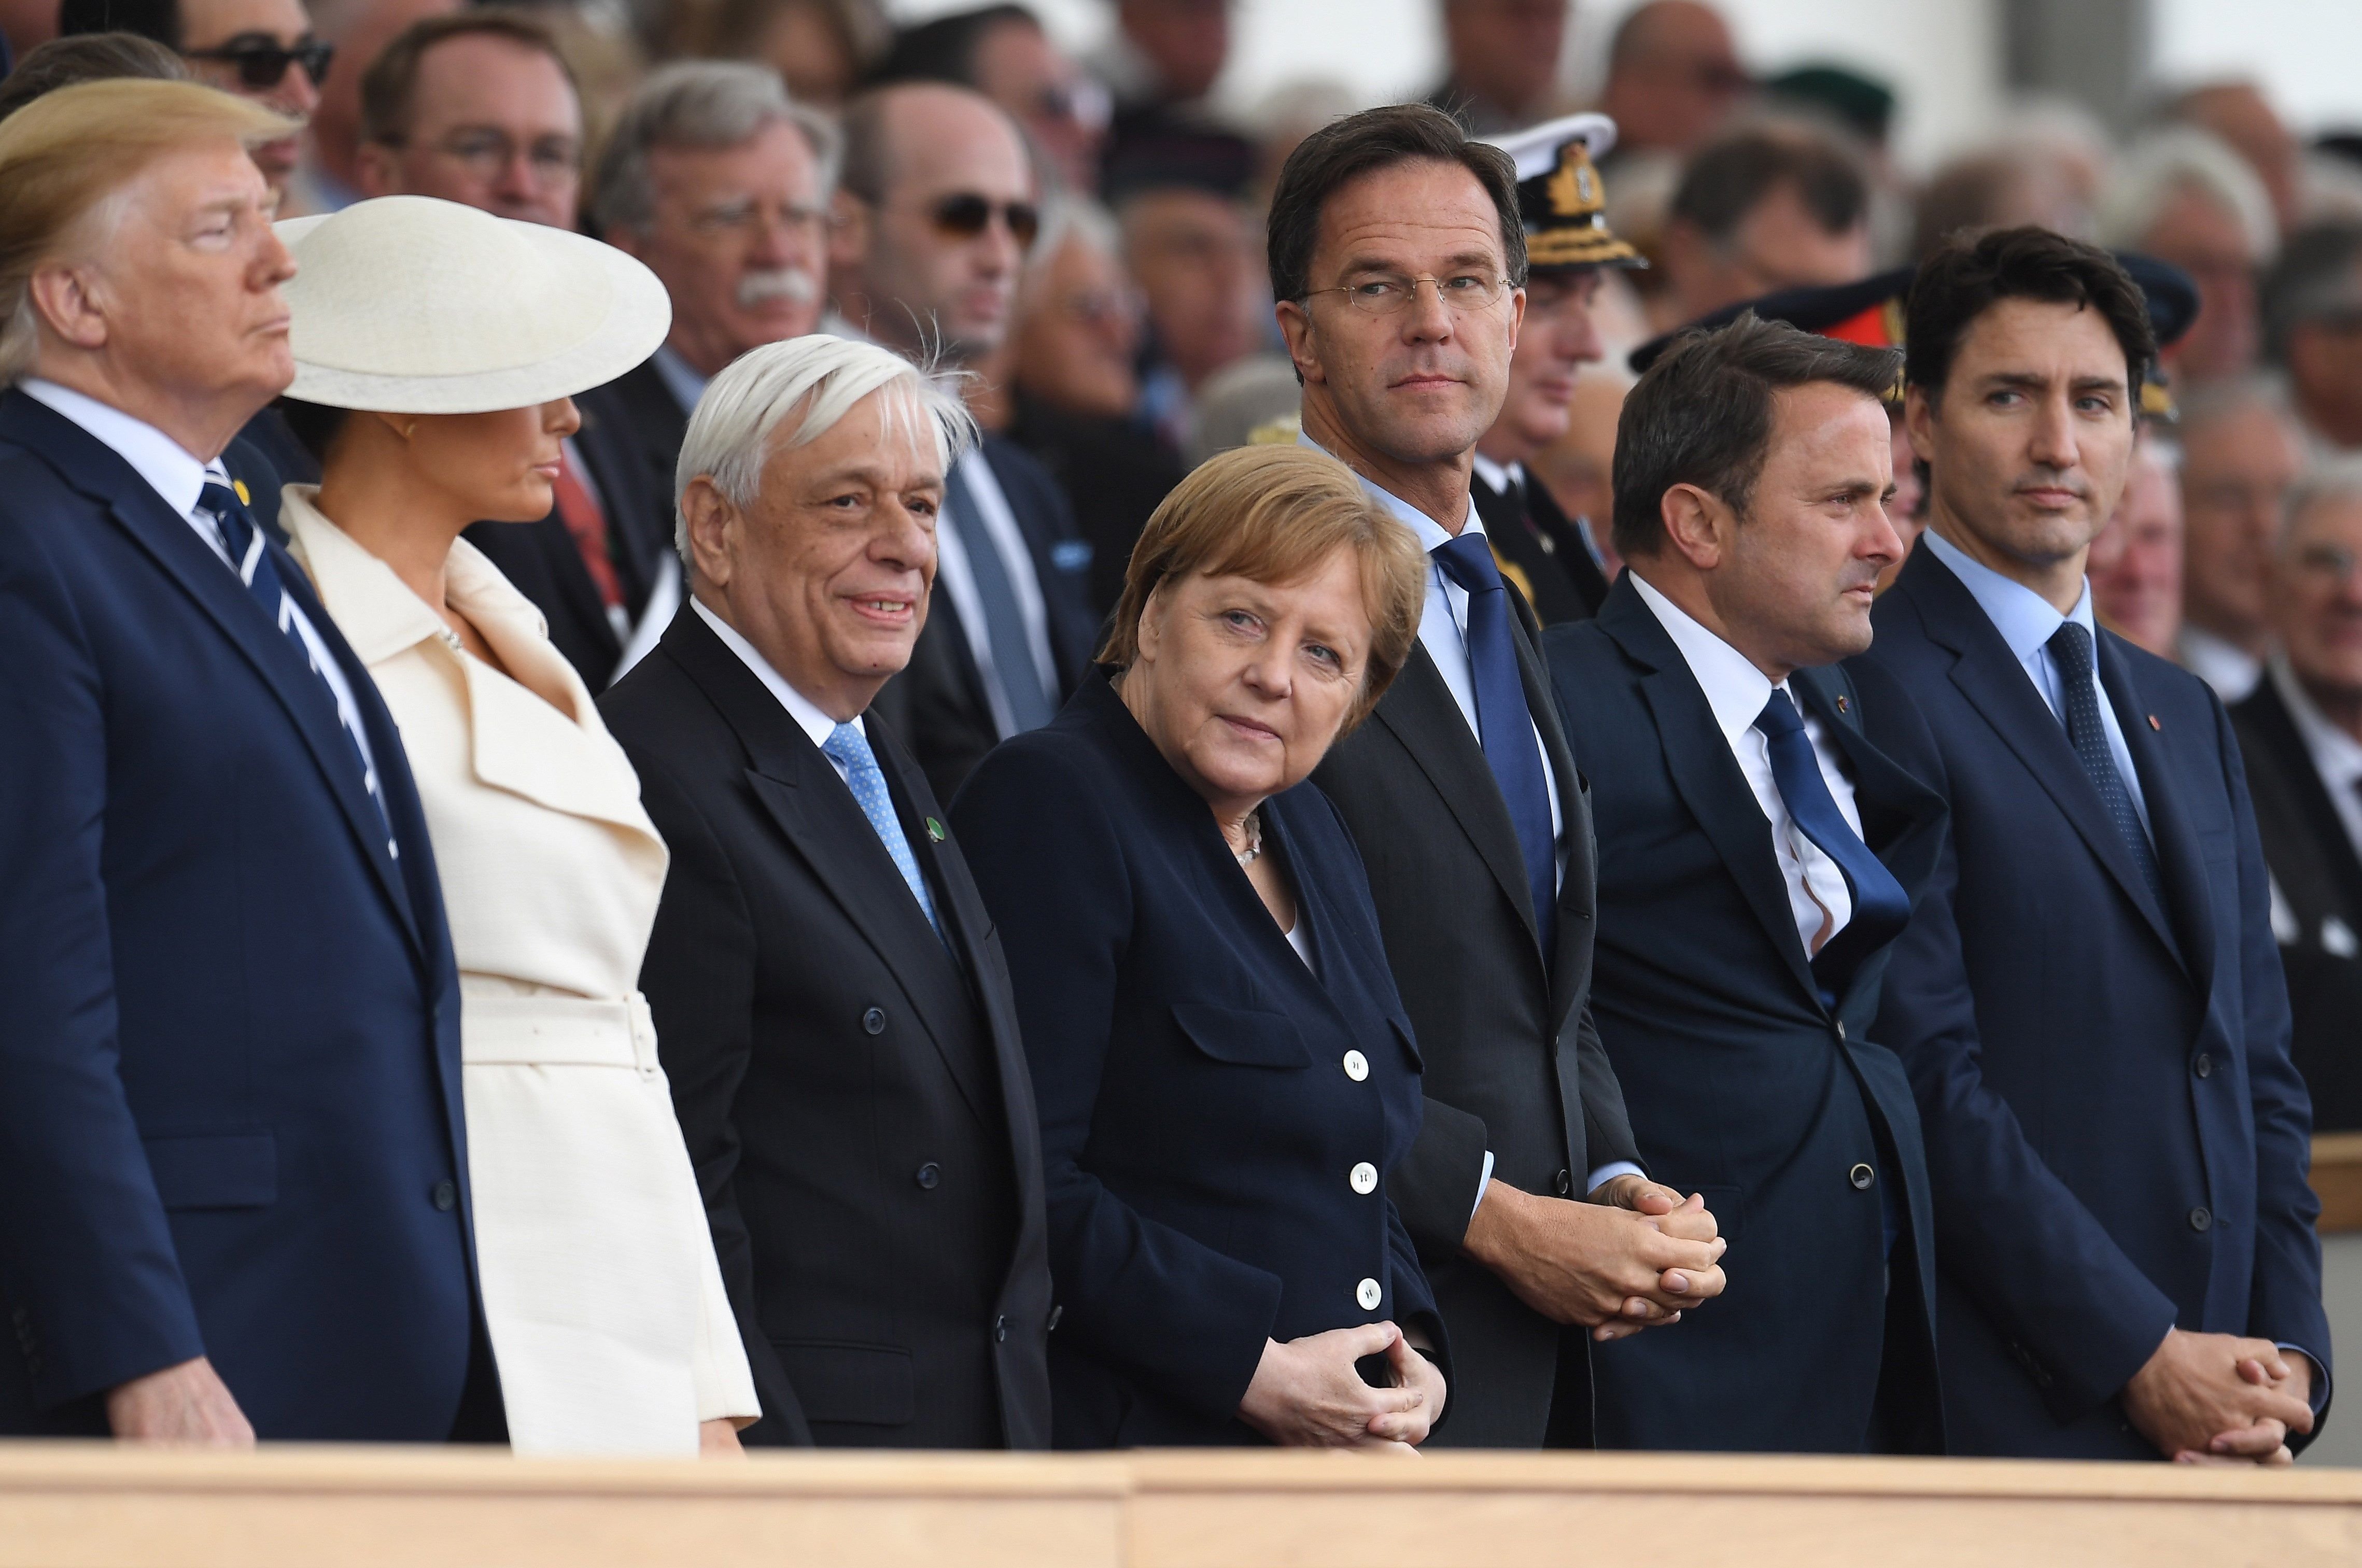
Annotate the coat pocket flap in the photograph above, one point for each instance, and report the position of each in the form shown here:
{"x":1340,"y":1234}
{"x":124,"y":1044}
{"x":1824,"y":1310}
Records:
{"x":225,"y":1170}
{"x":870,"y":1386}
{"x":1245,"y":1038}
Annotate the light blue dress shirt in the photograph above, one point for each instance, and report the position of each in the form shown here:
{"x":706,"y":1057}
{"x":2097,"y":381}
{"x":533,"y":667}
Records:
{"x":2028,"y":622}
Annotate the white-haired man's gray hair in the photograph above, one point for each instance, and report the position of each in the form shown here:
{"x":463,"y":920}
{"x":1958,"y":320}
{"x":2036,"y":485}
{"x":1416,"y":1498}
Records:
{"x":819,"y":379}
{"x":2336,"y":478}
{"x":697,"y":103}
{"x":2166,"y":162}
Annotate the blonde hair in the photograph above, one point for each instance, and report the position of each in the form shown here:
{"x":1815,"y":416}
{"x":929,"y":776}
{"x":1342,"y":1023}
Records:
{"x":1273,"y":514}
{"x":67,"y":153}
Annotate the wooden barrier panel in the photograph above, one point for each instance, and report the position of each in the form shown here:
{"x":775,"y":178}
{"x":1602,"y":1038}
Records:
{"x":67,"y":1506}
{"x":2338,"y":1179}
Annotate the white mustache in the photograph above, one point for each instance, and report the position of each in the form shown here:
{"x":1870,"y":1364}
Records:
{"x":766,"y":284}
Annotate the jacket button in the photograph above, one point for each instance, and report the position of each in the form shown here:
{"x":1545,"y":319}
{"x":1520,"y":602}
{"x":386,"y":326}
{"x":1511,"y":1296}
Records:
{"x":1564,"y":1184}
{"x":1364,"y":1177}
{"x":2204,"y":1066}
{"x":873,"y":1021}
{"x":1862,"y":1175}
{"x":1057,"y":1310}
{"x":1368,"y":1294}
{"x":927,"y":1174}
{"x":445,"y":1195}
{"x":2199,"y":1219}
{"x":1001,"y":1328}
{"x":1357,"y":1066}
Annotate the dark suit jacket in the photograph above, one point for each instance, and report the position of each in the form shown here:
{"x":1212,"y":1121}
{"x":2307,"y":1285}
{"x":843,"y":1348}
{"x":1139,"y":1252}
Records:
{"x":1558,"y":577}
{"x":1113,"y":474}
{"x":2312,"y":857}
{"x":1512,"y":1063}
{"x":853,"y":1095}
{"x":1198,"y":1118}
{"x":229,"y":1024}
{"x":266,"y":457}
{"x":630,"y":438}
{"x":938,"y":700}
{"x":2117,"y":1138}
{"x":1742,"y":1084}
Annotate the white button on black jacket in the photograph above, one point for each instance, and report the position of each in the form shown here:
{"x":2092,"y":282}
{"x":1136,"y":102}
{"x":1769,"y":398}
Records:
{"x":1218,"y":1117}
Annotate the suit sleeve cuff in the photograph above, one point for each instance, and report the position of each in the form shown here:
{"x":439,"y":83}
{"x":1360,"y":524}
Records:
{"x":2320,"y":1375}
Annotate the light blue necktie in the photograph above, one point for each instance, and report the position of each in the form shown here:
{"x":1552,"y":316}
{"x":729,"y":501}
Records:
{"x":849,"y":750}
{"x":1013,"y":664}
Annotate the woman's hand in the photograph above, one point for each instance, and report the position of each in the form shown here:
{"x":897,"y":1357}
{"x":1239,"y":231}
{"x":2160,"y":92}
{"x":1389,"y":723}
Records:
{"x":1305,"y":1393}
{"x":719,"y":1439}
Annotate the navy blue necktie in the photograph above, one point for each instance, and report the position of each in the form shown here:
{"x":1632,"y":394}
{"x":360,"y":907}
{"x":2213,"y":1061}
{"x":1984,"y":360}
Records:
{"x":1503,"y":723}
{"x":1013,"y":664}
{"x":2070,"y":650}
{"x":1880,"y":908}
{"x":251,"y":560}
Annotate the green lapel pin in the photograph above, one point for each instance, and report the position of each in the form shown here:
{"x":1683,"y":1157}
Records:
{"x":934,"y":830}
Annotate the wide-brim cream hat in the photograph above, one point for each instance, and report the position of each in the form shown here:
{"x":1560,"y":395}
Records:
{"x":406,"y":304}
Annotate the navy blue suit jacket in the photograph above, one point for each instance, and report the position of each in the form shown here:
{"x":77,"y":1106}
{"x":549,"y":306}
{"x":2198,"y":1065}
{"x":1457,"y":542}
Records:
{"x":2117,"y":1138}
{"x":1199,"y":1119}
{"x":1742,"y":1083}
{"x":229,"y":1036}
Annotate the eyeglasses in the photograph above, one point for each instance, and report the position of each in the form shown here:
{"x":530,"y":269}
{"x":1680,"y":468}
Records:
{"x":965,"y":215}
{"x":748,"y":217}
{"x":1385,"y":293}
{"x":486,"y":152}
{"x":2329,"y":563}
{"x":262,"y":62}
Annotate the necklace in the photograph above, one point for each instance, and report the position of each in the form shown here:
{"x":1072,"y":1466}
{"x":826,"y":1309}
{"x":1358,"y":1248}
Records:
{"x":1253,"y":828}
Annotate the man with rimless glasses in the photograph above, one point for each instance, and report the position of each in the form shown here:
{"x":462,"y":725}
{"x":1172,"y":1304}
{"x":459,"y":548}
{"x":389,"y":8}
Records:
{"x":259,"y":49}
{"x":935,"y":209}
{"x":1398,"y":257}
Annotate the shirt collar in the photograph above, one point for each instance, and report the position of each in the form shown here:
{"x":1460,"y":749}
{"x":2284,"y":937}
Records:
{"x":685,"y":384}
{"x":2026,"y":620}
{"x":800,"y":708}
{"x":1432,"y":537}
{"x":1734,"y":688}
{"x":2335,"y":754}
{"x":169,"y":469}
{"x":1498,"y":477}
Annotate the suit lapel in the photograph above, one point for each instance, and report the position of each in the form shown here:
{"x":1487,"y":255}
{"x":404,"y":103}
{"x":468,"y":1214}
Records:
{"x":1579,"y":873}
{"x":1705,"y":775}
{"x":799,"y":789}
{"x":1996,"y":684}
{"x":2267,"y":719}
{"x":2182,"y":865}
{"x":94,"y":469}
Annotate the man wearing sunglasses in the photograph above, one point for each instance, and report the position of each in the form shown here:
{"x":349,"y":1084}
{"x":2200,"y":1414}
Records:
{"x":259,"y":49}
{"x":935,"y":212}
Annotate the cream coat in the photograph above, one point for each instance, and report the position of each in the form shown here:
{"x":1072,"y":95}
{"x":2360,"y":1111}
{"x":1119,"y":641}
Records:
{"x":600,"y":1290}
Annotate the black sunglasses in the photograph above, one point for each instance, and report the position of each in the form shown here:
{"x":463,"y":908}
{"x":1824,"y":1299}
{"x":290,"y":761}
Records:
{"x":262,"y":64}
{"x":965,"y":215}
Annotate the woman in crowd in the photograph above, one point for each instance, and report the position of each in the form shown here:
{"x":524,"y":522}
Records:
{"x":1224,"y":1071}
{"x":437,"y":349}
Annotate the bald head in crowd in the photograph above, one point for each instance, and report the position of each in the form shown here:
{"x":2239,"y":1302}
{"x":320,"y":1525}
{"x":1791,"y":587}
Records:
{"x":1674,"y":77}
{"x":935,"y":211}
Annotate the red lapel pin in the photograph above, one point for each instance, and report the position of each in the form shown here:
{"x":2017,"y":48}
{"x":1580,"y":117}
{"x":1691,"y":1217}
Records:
{"x":2155,"y":725}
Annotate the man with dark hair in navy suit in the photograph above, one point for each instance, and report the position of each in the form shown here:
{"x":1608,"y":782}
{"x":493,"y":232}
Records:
{"x":2089,"y":998}
{"x":1758,"y":856}
{"x":230,"y":1133}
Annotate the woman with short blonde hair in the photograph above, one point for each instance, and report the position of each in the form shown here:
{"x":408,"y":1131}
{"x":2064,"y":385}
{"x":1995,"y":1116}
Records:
{"x":1224,"y":1071}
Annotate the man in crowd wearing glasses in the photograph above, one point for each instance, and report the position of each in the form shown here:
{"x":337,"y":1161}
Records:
{"x":259,"y":49}
{"x":935,"y":209}
{"x":480,"y":107}
{"x":1398,"y":256}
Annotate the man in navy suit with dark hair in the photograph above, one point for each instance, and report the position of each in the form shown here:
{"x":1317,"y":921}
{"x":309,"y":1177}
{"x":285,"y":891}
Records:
{"x":2088,"y":999}
{"x":230,"y":1131}
{"x":1758,"y":856}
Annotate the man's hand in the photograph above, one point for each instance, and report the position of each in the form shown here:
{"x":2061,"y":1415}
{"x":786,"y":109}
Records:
{"x":186,"y":1406}
{"x":1612,"y":1270}
{"x":2213,"y":1398}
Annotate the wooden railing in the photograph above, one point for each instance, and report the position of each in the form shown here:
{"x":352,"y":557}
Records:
{"x":93,"y":1506}
{"x":2337,"y":1177}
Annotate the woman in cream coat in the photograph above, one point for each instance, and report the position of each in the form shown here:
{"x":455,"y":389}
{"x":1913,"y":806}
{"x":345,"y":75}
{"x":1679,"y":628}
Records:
{"x":458,"y":338}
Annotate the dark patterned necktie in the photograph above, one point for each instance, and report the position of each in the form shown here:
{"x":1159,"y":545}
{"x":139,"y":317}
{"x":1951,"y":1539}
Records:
{"x":1881,"y":906}
{"x":2070,"y":648}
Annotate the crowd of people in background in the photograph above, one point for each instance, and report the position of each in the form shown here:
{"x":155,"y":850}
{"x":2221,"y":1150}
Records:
{"x":1076,"y":318}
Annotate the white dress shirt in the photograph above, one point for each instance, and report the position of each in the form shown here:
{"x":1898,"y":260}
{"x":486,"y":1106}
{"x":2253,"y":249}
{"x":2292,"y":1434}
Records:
{"x":954,"y":576}
{"x":1498,"y":477}
{"x":800,"y":708}
{"x":685,"y":384}
{"x":2028,"y":622}
{"x":1736,"y":691}
{"x":2232,"y":670}
{"x":180,"y":478}
{"x":2337,"y":756}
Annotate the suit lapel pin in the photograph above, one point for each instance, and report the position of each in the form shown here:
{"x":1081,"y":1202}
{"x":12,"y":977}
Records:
{"x":2155,"y":725}
{"x":239,"y":485}
{"x":1841,"y":706}
{"x":934,"y":830}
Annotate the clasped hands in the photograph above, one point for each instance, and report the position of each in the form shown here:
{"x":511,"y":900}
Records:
{"x":2220,"y":1400}
{"x":1632,"y":1257}
{"x":1309,"y":1393}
